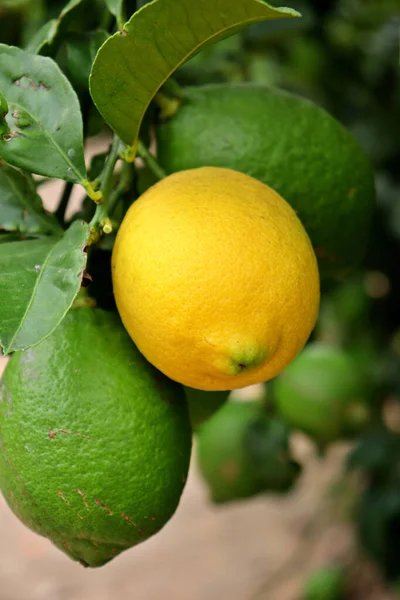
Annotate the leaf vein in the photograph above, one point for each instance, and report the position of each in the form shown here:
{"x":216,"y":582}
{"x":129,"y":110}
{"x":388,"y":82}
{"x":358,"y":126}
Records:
{"x":53,"y":143}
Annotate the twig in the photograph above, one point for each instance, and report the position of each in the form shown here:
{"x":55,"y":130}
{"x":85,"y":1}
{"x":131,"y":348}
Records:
{"x":150,"y":161}
{"x":100,"y":217}
{"x":123,"y":186}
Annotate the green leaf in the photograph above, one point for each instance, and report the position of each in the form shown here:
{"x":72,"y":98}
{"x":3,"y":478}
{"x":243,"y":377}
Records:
{"x":116,"y":8}
{"x":44,"y":119}
{"x":21,"y":208}
{"x":42,"y":39}
{"x":134,"y":63}
{"x":39,"y":280}
{"x":14,"y":4}
{"x":52,"y":31}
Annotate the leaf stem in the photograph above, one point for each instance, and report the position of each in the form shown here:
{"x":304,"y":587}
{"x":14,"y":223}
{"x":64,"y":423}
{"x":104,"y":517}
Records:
{"x":106,"y":175}
{"x":150,"y":161}
{"x":93,"y":193}
{"x":100,"y":217}
{"x":122,"y":187}
{"x":63,"y":203}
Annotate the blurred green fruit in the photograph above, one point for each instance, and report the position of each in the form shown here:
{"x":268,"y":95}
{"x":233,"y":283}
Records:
{"x":95,"y":442}
{"x":202,"y":405}
{"x":242,"y":452}
{"x":290,"y":144}
{"x":324,"y":393}
{"x":344,"y":312}
{"x":327,"y":583}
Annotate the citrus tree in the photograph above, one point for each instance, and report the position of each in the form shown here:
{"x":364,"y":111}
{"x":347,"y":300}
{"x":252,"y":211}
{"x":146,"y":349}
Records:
{"x":229,"y":235}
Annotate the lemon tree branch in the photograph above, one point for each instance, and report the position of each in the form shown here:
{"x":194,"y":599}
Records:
{"x":150,"y":161}
{"x":100,"y":218}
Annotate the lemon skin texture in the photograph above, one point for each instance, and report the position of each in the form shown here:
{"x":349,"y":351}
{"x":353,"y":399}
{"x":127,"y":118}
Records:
{"x":289,"y":143}
{"x":94,"y":442}
{"x":215,"y":279}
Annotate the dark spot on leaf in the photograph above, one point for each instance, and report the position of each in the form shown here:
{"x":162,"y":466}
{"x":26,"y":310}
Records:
{"x":28,"y":84}
{"x":7,"y":137}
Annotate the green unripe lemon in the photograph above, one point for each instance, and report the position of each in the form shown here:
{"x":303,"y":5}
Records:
{"x":243,"y":452}
{"x":290,"y":144}
{"x":324,"y":393}
{"x":95,"y":442}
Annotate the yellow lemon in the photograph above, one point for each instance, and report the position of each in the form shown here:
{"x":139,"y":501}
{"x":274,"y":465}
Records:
{"x":215,"y":279}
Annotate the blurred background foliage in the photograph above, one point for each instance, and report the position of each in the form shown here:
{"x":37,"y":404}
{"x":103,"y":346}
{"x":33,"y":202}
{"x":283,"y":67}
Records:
{"x":343,"y":55}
